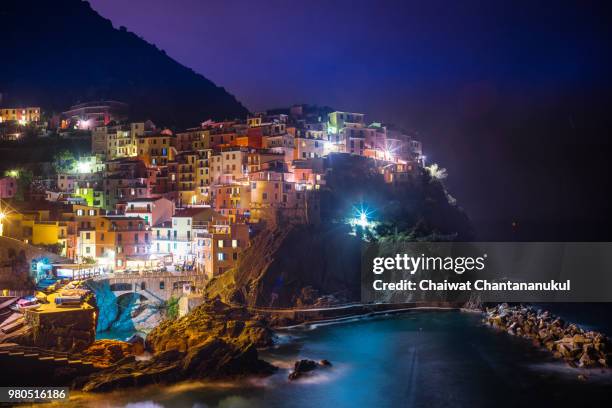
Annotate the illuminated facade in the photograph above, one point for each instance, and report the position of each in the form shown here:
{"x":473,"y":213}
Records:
{"x":23,"y":116}
{"x":8,"y":187}
{"x":90,"y":115}
{"x":217,"y":246}
{"x":122,"y":242}
{"x":156,"y":150}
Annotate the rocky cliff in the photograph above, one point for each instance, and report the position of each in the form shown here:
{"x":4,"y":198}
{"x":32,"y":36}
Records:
{"x":298,"y":265}
{"x":213,"y":341}
{"x":294,"y":265}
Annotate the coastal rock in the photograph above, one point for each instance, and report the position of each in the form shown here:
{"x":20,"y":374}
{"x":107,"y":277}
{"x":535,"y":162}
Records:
{"x":212,"y":319}
{"x":302,"y":367}
{"x":213,"y":359}
{"x":214,"y":341}
{"x":106,"y":353}
{"x":138,"y":344}
{"x":578,"y":348}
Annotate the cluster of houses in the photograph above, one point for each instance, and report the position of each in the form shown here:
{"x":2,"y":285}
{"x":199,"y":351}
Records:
{"x":148,"y":198}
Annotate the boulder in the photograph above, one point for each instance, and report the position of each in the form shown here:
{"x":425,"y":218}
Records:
{"x":138,"y":344}
{"x":106,"y":353}
{"x":301,"y":367}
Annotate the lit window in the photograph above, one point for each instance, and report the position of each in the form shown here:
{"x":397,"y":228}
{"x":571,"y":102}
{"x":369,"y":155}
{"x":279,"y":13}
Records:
{"x":234,"y":243}
{"x":220,"y":243}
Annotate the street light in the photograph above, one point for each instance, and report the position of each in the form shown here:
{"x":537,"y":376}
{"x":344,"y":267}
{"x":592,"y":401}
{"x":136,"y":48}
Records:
{"x":362,"y":221}
{"x":83,"y":167}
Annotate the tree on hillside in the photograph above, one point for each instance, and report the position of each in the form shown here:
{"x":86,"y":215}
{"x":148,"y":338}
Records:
{"x":64,"y":161}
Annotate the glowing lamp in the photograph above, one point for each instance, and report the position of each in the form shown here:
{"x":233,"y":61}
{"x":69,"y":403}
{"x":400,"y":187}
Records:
{"x":83,"y":167}
{"x":362,"y":221}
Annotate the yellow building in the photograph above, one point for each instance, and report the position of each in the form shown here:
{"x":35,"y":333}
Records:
{"x":202,"y":187}
{"x":186,"y":175}
{"x":45,"y":232}
{"x":21,"y":115}
{"x":156,"y":150}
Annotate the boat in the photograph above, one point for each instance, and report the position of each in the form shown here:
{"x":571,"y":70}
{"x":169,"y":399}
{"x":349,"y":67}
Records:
{"x":67,"y":301}
{"x":25,"y":303}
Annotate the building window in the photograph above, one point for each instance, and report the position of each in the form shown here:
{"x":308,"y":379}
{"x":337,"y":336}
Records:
{"x":220,"y":243}
{"x":162,"y":285}
{"x":92,"y":212}
{"x":220,"y":256}
{"x":234,"y":243}
{"x":87,"y":235}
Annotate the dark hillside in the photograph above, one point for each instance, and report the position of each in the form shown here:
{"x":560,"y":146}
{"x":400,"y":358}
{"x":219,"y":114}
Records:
{"x":57,"y":53}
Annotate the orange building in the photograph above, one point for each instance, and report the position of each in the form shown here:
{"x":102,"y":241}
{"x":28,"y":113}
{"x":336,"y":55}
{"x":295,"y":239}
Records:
{"x":123,"y":242}
{"x":218,"y":245}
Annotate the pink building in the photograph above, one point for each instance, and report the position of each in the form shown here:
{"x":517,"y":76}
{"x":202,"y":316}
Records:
{"x":8,"y":187}
{"x":154,"y":211}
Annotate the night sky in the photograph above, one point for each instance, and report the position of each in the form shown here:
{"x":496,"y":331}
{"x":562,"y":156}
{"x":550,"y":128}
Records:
{"x":508,"y":95}
{"x":385,"y":58}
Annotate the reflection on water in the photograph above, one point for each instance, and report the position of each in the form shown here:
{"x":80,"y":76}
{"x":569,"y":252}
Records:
{"x":426,"y":359}
{"x":115,"y":334}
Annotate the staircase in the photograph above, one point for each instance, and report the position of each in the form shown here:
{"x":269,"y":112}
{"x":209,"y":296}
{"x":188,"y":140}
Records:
{"x":33,"y":366}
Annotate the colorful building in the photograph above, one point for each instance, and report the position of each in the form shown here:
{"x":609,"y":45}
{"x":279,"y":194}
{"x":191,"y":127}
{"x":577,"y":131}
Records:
{"x":153,"y":210}
{"x":156,"y":149}
{"x":8,"y":187}
{"x":23,"y":116}
{"x":123,"y":243}
{"x":218,"y":245}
